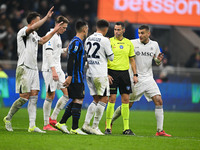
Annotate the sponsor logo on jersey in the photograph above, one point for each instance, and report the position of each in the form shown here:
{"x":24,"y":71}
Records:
{"x":147,"y":54}
{"x":137,"y":53}
{"x":144,"y":53}
{"x":121,"y":46}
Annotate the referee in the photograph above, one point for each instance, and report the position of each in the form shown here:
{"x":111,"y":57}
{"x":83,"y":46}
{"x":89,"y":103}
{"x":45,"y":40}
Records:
{"x":119,"y":77}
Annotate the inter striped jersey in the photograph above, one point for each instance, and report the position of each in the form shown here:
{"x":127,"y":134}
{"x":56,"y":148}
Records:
{"x":76,"y":62}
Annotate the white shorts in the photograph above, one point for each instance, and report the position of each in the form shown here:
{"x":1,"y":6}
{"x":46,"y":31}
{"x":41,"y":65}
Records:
{"x":51,"y":84}
{"x":145,"y":86}
{"x":26,"y":79}
{"x":98,"y":86}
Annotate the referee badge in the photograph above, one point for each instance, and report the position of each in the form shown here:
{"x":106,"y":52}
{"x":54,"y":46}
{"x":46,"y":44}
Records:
{"x":121,"y":46}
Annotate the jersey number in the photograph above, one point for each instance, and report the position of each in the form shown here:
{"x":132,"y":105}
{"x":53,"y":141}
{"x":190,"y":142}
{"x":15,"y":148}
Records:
{"x":94,"y":54}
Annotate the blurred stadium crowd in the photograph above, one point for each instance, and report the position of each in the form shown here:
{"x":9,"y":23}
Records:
{"x":14,"y":12}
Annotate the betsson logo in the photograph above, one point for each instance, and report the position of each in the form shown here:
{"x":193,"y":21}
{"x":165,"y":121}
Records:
{"x":181,"y":7}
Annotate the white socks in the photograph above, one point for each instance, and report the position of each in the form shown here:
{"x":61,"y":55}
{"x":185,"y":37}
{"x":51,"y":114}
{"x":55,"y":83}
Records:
{"x":47,"y":110}
{"x":116,"y":114}
{"x":59,"y":106}
{"x":98,"y":114}
{"x":15,"y":107}
{"x":90,"y":112}
{"x":159,"y":117}
{"x":32,"y":107}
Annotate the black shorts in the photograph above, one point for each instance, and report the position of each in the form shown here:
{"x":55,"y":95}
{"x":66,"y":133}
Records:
{"x":76,"y":90}
{"x":121,"y":80}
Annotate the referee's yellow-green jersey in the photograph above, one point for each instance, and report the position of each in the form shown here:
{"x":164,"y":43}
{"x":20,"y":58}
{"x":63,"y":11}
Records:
{"x":122,"y":50}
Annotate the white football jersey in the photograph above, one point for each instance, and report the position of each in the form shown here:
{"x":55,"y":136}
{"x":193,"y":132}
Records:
{"x":144,"y":54}
{"x":27,"y":48}
{"x":97,"y":48}
{"x":55,"y":46}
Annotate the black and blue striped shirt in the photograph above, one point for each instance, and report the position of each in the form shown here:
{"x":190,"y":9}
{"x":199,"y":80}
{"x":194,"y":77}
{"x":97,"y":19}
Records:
{"x":75,"y":67}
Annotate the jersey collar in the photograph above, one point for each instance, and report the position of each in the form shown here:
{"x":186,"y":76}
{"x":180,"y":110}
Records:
{"x":98,"y":33}
{"x":52,"y":30}
{"x":117,"y":39}
{"x":78,"y":39}
{"x":143,"y":43}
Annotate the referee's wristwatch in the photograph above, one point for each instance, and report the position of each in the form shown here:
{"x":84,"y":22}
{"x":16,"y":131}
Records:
{"x":135,"y":75}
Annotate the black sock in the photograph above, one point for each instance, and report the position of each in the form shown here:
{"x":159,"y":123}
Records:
{"x":67,"y":114}
{"x":76,"y":112}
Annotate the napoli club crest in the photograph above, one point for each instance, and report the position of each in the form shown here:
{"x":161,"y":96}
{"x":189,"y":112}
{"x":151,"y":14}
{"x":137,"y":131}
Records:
{"x":121,"y":46}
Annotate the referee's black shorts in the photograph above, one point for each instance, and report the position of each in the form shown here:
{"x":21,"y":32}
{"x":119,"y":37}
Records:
{"x":121,"y":80}
{"x":76,"y":90}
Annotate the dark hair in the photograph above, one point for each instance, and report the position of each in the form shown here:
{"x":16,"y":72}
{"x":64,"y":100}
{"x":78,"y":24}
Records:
{"x":120,"y":23}
{"x":144,"y":27}
{"x":31,"y":16}
{"x":79,"y":25}
{"x":102,"y":24}
{"x":62,"y":19}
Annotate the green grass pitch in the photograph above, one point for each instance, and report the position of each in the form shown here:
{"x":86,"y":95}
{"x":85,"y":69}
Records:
{"x":184,"y":127}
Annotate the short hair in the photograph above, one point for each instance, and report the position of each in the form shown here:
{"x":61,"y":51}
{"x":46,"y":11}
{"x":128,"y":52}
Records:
{"x":144,"y":27}
{"x":120,"y":23}
{"x":31,"y":16}
{"x":102,"y":24}
{"x":62,"y":19}
{"x":79,"y":25}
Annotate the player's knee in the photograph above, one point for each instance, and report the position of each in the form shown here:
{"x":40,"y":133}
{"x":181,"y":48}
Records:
{"x":25,"y":95}
{"x":78,"y":101}
{"x":158,"y":100}
{"x":112,"y":98}
{"x":34,"y":93}
{"x":50,"y":95}
{"x":65,"y":92}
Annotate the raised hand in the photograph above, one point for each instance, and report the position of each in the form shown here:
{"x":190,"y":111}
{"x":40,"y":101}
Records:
{"x":57,"y":27}
{"x":50,"y":12}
